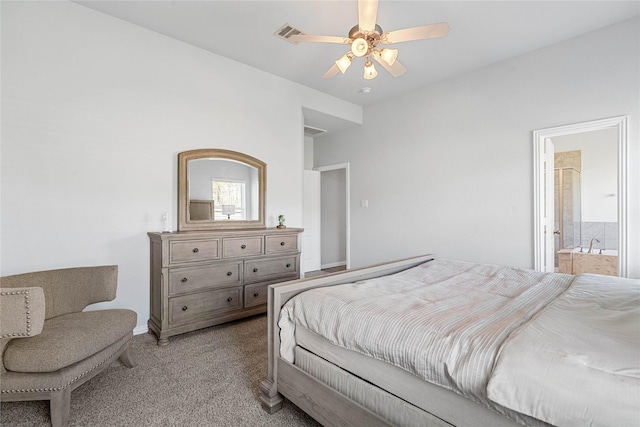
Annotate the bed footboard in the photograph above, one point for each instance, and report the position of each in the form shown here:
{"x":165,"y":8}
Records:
{"x":279,"y":294}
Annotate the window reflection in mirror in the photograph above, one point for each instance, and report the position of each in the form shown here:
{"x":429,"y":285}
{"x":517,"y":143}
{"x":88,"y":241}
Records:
{"x":230,"y":187}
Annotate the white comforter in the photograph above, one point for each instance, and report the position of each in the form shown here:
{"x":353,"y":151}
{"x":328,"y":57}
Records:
{"x":578,"y":362}
{"x":557,"y":348}
{"x":443,"y":321}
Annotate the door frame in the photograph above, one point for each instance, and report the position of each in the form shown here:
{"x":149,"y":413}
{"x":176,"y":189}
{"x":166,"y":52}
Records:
{"x":311,"y":222}
{"x":346,"y":167}
{"x":541,"y":210}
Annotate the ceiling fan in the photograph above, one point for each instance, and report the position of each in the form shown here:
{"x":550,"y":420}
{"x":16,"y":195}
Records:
{"x":365,"y":39}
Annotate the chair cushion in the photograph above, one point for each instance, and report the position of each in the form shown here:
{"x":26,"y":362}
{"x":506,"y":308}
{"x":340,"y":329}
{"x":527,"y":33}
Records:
{"x":68,"y":339}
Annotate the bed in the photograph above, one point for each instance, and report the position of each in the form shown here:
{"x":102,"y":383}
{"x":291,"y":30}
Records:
{"x":431,"y":342}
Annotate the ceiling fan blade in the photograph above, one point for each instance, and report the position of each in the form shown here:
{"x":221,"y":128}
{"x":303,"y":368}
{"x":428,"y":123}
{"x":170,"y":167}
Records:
{"x":416,"y":33}
{"x":396,"y":70}
{"x":331,"y":72}
{"x":367,"y":14}
{"x":319,"y":39}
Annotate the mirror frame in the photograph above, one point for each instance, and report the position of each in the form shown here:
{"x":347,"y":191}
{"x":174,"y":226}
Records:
{"x":184,"y":223}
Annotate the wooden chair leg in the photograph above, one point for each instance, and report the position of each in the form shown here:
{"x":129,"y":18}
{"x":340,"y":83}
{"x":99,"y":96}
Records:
{"x":127,"y":359}
{"x":60,"y":405}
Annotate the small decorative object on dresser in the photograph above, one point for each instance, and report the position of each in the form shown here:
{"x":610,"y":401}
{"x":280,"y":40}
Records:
{"x":281,"y":222}
{"x":166,"y":223}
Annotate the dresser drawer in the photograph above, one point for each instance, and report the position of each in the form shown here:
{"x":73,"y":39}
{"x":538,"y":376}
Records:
{"x":255,"y":294}
{"x":241,"y":247}
{"x":183,"y":280}
{"x":269,"y":268}
{"x":193,"y":250}
{"x":187,"y":308}
{"x":282,"y":243}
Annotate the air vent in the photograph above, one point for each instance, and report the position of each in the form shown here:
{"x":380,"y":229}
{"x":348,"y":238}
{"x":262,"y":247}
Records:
{"x":311,"y":131}
{"x":286,"y":31}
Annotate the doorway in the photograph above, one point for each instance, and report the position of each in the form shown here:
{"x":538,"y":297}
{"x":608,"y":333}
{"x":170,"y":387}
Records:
{"x":335,"y":216}
{"x":544,"y":156}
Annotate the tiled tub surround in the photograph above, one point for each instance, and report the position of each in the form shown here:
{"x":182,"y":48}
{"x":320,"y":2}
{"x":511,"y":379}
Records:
{"x":605,"y":263}
{"x":576,"y":262}
{"x":564,"y":261}
{"x":605,"y":232}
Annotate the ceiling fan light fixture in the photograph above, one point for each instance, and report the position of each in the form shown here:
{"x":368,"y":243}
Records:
{"x":365,"y":40}
{"x":389,"y":55}
{"x":370,"y":71}
{"x":360,"y":47}
{"x":344,"y":63}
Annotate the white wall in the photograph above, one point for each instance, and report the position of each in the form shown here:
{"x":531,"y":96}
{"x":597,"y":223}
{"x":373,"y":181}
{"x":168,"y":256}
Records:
{"x":457,"y":156}
{"x":308,"y":153}
{"x":94,"y":113}
{"x":333,"y":218}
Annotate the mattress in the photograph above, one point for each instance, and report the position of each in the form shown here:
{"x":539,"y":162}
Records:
{"x":331,"y":364}
{"x":397,"y":411}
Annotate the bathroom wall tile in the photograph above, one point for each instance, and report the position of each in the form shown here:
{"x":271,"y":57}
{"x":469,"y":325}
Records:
{"x":611,"y":235}
{"x":593,"y":230}
{"x":573,"y":159}
{"x":568,"y":159}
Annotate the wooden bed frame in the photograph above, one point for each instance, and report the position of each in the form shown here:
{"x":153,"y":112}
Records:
{"x":330,"y":407}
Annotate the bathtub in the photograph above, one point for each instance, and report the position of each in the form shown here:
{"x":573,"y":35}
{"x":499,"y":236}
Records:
{"x":608,"y":252}
{"x":595,"y":262}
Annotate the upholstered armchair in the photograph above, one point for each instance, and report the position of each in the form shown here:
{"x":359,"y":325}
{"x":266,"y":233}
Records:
{"x":50,"y":346}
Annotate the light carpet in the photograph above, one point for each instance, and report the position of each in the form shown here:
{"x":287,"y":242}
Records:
{"x":208,"y":377}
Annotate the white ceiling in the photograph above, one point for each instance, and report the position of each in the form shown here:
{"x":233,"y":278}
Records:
{"x":482,"y":33}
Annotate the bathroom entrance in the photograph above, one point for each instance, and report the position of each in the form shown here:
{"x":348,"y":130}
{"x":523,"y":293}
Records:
{"x":580,"y":197}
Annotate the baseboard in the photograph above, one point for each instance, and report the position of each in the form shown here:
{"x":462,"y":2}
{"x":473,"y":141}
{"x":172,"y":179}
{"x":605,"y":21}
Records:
{"x":334,"y":264}
{"x":139,"y":330}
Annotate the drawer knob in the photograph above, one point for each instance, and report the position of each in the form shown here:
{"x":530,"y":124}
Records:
{"x":255,"y":270}
{"x":281,"y":243}
{"x":256,"y":294}
{"x":185,"y":308}
{"x":229,"y":299}
{"x":196,"y":250}
{"x":184,"y":280}
{"x":229,"y":273}
{"x":288,"y":265}
{"x":243,"y":247}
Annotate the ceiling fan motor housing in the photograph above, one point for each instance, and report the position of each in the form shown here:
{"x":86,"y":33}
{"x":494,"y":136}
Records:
{"x":371,"y":38}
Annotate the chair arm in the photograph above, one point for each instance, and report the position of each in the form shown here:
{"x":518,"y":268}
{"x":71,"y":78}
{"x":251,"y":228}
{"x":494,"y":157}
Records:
{"x":21,"y":312}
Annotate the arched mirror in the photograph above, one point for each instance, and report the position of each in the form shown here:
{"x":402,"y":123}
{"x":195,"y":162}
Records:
{"x":220,"y":189}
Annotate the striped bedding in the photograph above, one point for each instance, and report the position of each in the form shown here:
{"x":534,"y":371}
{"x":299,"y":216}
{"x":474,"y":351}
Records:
{"x":444,"y":321}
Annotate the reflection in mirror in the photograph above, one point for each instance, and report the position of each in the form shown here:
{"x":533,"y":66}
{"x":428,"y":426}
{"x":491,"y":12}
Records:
{"x":220,"y":189}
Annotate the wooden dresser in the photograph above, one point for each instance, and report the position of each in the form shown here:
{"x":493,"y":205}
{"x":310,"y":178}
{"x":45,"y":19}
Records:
{"x":204,"y":278}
